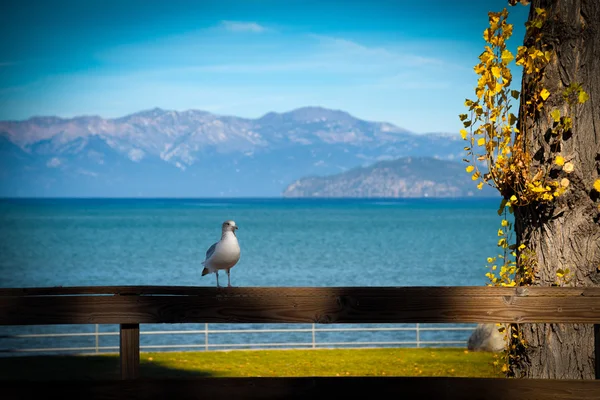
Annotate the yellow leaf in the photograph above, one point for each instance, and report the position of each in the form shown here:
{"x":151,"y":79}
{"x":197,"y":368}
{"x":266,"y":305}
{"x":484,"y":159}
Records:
{"x":475,"y":176}
{"x":500,"y":232}
{"x":486,"y":34}
{"x":463,"y":133}
{"x":507,"y":57}
{"x":583,"y":96}
{"x":597,"y":185}
{"x":480,"y":185}
{"x":555,"y":114}
{"x":480,"y":141}
{"x":544,"y":94}
{"x":559,"y":160}
{"x":504,"y":222}
{"x":513,"y":198}
{"x":470,"y":168}
{"x":568,"y":168}
{"x":496,"y":72}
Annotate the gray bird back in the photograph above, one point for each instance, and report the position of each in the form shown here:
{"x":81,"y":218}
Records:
{"x":211,"y":250}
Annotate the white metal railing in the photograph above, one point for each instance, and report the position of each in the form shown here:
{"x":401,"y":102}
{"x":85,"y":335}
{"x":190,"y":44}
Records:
{"x":207,"y":345}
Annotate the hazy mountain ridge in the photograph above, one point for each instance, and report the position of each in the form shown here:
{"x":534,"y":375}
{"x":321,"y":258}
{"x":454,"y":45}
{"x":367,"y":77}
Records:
{"x":198,"y":153}
{"x":404,"y":177}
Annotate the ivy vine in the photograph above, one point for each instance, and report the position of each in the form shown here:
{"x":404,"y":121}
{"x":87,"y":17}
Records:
{"x":500,"y":155}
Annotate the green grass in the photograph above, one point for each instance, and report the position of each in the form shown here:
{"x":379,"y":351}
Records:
{"x":337,"y":362}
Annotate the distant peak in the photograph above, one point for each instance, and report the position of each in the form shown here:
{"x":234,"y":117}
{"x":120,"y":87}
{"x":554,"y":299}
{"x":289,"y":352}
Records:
{"x":46,"y":119}
{"x":309,"y":113}
{"x":156,"y":111}
{"x":319,"y":111}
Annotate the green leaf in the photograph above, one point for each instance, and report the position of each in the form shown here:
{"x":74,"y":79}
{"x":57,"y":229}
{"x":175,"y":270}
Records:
{"x":515,"y":94}
{"x":501,"y":208}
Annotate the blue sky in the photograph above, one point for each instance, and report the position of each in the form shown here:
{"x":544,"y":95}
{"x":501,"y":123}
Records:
{"x":405,"y":62}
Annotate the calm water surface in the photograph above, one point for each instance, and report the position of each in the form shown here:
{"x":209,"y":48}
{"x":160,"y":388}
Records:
{"x":400,"y":242}
{"x":284,"y":242}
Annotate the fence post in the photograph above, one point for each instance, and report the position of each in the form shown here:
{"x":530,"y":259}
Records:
{"x":206,"y":337}
{"x":129,"y":350}
{"x":97,"y":340}
{"x":314,"y":342}
{"x":597,"y":349}
{"x":418,"y":337}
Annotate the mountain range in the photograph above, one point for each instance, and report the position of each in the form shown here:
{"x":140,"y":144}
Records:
{"x":404,"y":177}
{"x":165,"y":153}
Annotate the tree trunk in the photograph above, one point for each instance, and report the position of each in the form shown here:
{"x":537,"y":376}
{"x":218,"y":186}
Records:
{"x":566,"y":232}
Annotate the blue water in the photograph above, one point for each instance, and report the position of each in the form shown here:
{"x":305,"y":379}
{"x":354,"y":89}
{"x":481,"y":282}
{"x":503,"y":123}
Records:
{"x":284,"y":242}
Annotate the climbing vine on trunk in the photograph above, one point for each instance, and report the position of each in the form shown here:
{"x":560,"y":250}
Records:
{"x":501,"y":151}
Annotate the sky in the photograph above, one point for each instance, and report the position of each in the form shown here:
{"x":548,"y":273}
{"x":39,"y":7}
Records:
{"x":409,"y":63}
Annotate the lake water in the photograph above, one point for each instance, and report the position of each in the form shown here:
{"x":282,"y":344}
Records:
{"x":284,"y":242}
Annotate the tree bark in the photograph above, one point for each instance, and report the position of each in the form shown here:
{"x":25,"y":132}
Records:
{"x":566,"y":232}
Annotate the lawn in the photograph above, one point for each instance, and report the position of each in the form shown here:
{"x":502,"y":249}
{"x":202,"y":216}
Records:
{"x":322,"y":362}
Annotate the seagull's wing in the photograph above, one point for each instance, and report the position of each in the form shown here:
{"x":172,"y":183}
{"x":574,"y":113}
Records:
{"x":210,"y":251}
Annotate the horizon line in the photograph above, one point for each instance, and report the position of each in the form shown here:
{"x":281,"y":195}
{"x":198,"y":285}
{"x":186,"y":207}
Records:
{"x":239,"y":198}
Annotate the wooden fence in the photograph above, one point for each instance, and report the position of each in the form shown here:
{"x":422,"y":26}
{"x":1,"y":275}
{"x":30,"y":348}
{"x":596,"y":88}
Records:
{"x":130,"y":306}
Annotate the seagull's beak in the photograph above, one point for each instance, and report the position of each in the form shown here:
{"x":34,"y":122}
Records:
{"x":235,"y":228}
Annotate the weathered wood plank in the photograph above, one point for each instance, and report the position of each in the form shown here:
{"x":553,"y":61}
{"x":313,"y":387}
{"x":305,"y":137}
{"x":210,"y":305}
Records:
{"x":597,"y":350}
{"x":129,"y":350}
{"x":313,"y":388}
{"x":282,"y":306}
{"x":431,"y":291}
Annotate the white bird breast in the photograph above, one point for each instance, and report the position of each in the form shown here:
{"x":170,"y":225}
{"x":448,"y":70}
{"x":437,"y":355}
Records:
{"x":226,"y":255}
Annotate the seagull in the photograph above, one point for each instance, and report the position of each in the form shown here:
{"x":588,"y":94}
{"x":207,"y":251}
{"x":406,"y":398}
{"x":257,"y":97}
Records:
{"x":224,"y":254}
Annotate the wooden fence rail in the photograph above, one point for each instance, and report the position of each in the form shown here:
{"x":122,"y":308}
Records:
{"x":130,"y":306}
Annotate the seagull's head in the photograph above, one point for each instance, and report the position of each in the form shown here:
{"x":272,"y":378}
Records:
{"x":229,"y":226}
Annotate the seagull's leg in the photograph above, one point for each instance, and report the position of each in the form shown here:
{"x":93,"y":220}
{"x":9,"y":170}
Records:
{"x":217,"y":274}
{"x":228,"y":278}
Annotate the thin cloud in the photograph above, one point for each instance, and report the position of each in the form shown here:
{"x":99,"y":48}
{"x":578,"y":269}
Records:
{"x":410,"y":80}
{"x":256,"y":68}
{"x":240,"y":26}
{"x":54,"y":162}
{"x":357,"y":50}
{"x":327,"y":54}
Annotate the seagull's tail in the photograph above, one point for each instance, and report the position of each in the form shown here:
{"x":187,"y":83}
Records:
{"x":204,"y":271}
